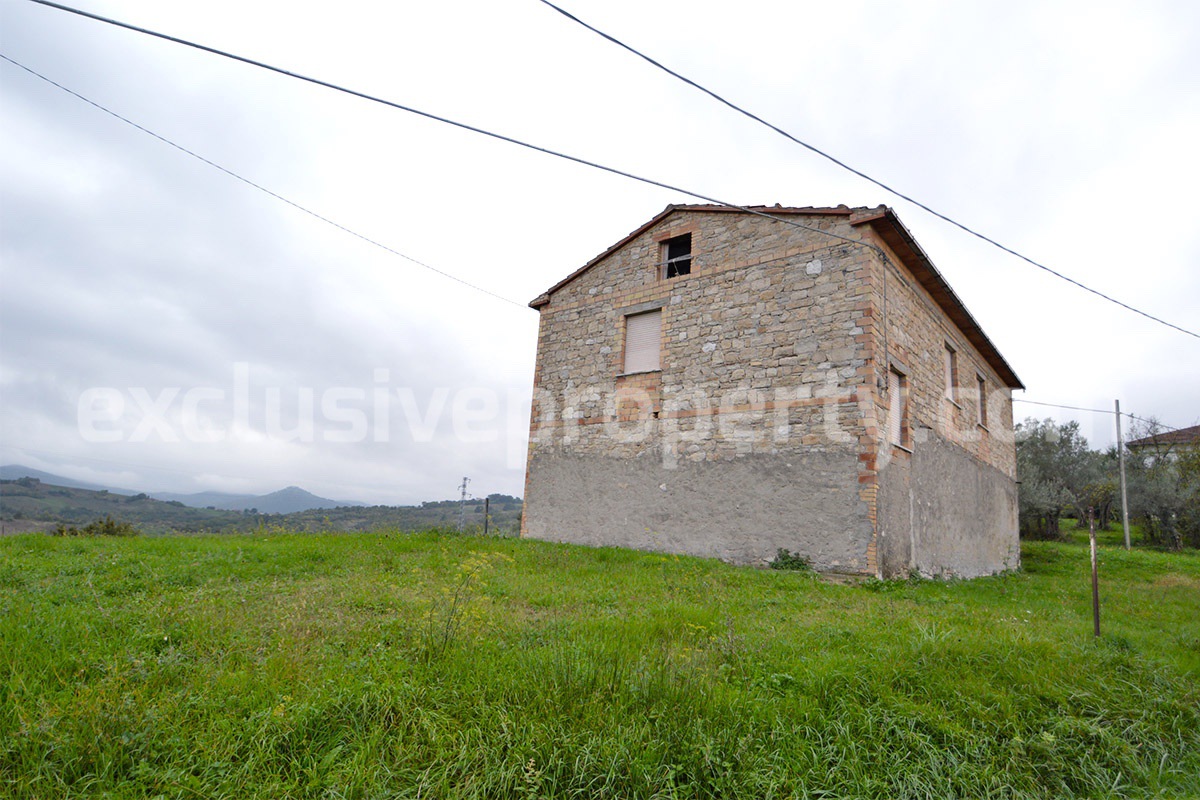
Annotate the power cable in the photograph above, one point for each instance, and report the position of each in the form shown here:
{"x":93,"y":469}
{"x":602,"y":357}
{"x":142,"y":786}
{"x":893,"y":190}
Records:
{"x":1152,"y":422}
{"x":260,"y":187}
{"x":857,"y":172}
{"x":1097,"y":410}
{"x":455,"y":123}
{"x":1056,"y":405}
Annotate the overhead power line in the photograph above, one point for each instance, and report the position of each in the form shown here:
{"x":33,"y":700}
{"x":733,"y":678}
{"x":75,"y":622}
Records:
{"x":257,"y":186}
{"x":462,"y":125}
{"x":583,"y":161}
{"x":1056,"y":405}
{"x":860,"y":173}
{"x":1153,"y":422}
{"x":1097,"y":411}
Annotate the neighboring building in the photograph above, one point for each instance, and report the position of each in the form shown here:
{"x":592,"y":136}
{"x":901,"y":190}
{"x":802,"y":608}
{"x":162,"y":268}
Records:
{"x":1166,"y":444}
{"x":724,"y":384}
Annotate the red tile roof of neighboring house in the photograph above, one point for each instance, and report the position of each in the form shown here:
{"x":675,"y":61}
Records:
{"x":887,"y":225}
{"x":1182,"y":436}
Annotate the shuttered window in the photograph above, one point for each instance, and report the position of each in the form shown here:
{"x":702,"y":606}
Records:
{"x":895,"y":407}
{"x":643,"y":335}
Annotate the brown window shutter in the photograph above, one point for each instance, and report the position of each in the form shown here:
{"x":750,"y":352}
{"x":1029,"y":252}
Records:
{"x":643,"y":335}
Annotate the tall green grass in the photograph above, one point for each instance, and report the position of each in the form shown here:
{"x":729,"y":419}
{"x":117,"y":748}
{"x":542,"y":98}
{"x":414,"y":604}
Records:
{"x":435,"y":665}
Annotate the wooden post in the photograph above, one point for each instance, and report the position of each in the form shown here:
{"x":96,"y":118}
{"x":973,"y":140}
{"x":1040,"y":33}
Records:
{"x":1095,"y":576}
{"x":486,"y":503}
{"x":1121,"y":454}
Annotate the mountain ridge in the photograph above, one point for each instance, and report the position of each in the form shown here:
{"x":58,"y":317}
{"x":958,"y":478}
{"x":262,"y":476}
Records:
{"x":12,"y":472}
{"x":28,"y":504}
{"x":289,"y":500}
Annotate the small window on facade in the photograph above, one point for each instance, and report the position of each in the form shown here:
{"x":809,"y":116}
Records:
{"x":896,"y":406}
{"x":951,"y":372}
{"x":677,"y":256}
{"x":643,"y":341}
{"x":981,"y":400}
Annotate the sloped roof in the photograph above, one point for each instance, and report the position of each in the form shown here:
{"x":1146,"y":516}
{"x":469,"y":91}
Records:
{"x":1182,"y":436}
{"x":887,"y":225}
{"x":544,"y":297}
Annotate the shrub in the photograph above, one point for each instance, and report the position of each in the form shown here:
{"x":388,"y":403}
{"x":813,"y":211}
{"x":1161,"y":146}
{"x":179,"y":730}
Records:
{"x":101,"y":527}
{"x":785,"y":559}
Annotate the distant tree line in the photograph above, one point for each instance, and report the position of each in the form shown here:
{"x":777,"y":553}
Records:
{"x":1061,"y":477}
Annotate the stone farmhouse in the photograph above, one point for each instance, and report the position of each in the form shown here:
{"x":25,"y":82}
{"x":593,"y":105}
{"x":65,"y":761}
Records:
{"x":731,"y":382}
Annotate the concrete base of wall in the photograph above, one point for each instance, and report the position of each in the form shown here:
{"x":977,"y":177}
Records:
{"x":741,"y":510}
{"x":942,"y":512}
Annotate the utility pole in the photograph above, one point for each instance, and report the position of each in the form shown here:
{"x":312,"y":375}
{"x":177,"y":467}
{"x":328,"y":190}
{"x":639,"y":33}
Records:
{"x":462,"y":505}
{"x":1121,"y":453}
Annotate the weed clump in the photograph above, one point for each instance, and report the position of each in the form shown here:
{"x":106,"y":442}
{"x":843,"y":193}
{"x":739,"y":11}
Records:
{"x":785,"y":559}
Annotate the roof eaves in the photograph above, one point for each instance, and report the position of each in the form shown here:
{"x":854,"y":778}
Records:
{"x":885,"y":222}
{"x":544,"y":297}
{"x":842,"y":210}
{"x":1182,"y":436}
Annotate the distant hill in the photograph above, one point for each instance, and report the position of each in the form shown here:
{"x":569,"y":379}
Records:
{"x":285,"y":501}
{"x":222,"y":500}
{"x":11,"y":472}
{"x":28,"y":503}
{"x":31,"y":504}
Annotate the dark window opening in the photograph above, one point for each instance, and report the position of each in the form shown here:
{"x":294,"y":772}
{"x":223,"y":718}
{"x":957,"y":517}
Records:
{"x":981,"y":401}
{"x":677,"y":255}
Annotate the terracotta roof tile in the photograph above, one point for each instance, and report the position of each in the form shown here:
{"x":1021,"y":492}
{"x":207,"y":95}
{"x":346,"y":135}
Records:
{"x":1182,"y":436}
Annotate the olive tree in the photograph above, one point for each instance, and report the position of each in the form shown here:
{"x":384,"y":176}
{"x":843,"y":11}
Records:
{"x":1057,"y":472}
{"x":1164,"y":487}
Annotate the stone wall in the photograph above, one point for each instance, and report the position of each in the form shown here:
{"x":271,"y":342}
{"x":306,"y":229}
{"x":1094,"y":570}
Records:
{"x":917,"y":332}
{"x":760,"y":347}
{"x":755,"y":409}
{"x":766,"y":426}
{"x":947,"y":500}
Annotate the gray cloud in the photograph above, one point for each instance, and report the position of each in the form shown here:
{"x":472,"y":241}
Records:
{"x":126,"y":264}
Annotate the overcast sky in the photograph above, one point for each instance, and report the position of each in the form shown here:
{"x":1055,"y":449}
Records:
{"x":154,"y":311}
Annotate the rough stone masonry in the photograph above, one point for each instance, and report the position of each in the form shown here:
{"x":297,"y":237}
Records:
{"x":818,"y":388}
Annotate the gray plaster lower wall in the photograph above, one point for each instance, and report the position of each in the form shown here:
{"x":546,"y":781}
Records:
{"x":943,"y":512}
{"x":739,"y":510}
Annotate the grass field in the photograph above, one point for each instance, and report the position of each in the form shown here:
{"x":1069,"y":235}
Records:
{"x":434,"y":665}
